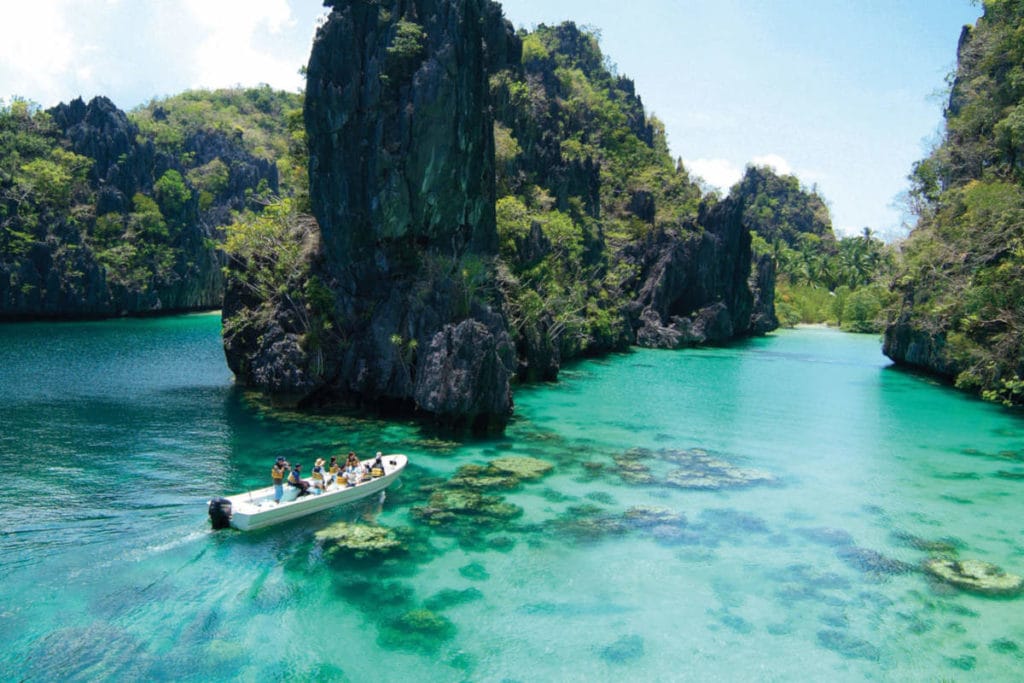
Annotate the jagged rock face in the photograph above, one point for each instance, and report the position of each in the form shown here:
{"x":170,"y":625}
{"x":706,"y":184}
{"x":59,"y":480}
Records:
{"x":399,"y":126}
{"x":695,"y":286}
{"x":402,"y":185}
{"x":102,"y":132}
{"x":762,"y":287}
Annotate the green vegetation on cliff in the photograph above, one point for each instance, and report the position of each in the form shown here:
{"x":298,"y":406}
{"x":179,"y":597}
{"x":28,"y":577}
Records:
{"x":961,"y":280}
{"x":581,"y":171}
{"x":104,"y":213}
{"x":266,"y":122}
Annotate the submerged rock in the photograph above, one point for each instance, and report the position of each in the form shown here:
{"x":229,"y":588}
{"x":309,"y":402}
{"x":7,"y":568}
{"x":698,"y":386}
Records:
{"x":701,"y":471}
{"x":624,"y":650}
{"x":873,"y":562}
{"x":696,"y":470}
{"x":848,"y":646}
{"x":643,"y":516}
{"x":602,"y":497}
{"x":522,"y":467}
{"x":452,"y":598}
{"x":975,"y":576}
{"x":418,"y":630}
{"x":589,"y":523}
{"x":938,"y":547}
{"x":359,"y":540}
{"x":475,"y":571}
{"x":480,"y":477}
{"x":448,"y":505}
{"x":1004,"y":646}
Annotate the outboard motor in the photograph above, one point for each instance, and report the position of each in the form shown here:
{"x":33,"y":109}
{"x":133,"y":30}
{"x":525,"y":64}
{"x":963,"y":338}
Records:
{"x":220,"y":513}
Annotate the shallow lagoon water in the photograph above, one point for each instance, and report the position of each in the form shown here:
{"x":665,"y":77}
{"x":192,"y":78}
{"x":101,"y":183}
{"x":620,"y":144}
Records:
{"x":115,"y":434}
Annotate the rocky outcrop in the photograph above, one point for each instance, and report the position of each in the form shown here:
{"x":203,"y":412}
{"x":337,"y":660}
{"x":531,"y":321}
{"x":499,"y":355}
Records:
{"x":402,"y":187}
{"x":914,"y":345}
{"x":695,"y":284}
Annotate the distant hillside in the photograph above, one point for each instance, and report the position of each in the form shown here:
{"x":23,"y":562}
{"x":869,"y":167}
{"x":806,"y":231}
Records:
{"x":961,"y":286}
{"x":820,"y":279}
{"x":104,"y":213}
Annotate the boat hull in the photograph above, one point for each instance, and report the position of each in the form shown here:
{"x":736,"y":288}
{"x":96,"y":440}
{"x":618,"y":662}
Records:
{"x":257,"y":509}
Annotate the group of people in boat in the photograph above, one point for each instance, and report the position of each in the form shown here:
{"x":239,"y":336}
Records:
{"x":324,"y":474}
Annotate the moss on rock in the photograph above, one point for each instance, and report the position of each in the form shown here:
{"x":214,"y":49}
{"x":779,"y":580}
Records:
{"x":975,"y":576}
{"x":522,"y":467}
{"x":359,"y":540}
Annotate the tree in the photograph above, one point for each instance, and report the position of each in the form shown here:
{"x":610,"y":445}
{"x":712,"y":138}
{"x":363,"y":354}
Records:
{"x":172,"y":194}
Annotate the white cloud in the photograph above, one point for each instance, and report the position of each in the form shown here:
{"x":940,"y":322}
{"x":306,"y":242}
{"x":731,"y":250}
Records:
{"x":720,"y":173}
{"x":36,"y":50}
{"x":55,"y":50}
{"x":232,"y":44}
{"x":774,"y":161}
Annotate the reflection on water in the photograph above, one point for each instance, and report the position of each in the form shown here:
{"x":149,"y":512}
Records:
{"x":756,"y":512}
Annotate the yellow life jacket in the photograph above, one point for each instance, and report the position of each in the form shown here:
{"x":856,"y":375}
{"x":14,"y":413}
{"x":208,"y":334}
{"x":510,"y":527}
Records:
{"x":276,"y":474}
{"x":318,"y":473}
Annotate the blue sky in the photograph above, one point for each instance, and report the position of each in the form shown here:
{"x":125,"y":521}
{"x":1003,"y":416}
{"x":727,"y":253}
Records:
{"x":846,"y":94}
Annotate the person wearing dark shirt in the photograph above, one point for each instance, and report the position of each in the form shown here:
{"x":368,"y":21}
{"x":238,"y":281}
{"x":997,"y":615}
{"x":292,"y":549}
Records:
{"x":296,"y":480}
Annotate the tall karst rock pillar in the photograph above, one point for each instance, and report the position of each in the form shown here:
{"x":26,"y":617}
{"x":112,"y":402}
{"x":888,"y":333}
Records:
{"x":401,"y":145}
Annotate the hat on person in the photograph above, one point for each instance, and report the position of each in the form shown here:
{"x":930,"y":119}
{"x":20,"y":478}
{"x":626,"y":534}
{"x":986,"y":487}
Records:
{"x":280,"y":458}
{"x":319,"y":462}
{"x":379,"y":454}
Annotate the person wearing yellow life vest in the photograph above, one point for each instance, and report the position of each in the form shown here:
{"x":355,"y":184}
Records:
{"x":319,"y":476}
{"x":277,"y":474}
{"x":377,"y":468}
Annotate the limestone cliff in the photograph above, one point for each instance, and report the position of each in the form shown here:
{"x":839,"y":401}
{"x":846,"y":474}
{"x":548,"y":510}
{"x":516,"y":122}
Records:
{"x":607,"y":240}
{"x":402,"y":187}
{"x":695,"y":284}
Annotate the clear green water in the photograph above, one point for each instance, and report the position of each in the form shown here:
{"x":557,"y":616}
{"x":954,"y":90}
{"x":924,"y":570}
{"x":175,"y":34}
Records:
{"x":115,"y":434}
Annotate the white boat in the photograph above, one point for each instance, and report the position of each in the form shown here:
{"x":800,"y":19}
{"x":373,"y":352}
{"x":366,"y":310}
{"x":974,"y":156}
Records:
{"x":257,"y":509}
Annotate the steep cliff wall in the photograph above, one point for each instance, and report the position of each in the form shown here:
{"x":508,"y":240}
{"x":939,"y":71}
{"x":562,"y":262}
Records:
{"x":402,"y":187}
{"x":960,"y":283}
{"x":694,"y":285}
{"x":417,"y":290}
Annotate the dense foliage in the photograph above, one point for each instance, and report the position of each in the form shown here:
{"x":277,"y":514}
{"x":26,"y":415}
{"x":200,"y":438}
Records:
{"x":962,"y":276}
{"x":41,"y":181}
{"x":266,"y":122}
{"x":581,"y":170}
{"x":780,"y":210}
{"x":103,"y":213}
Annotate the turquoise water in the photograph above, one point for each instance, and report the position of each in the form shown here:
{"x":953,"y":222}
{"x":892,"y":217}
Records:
{"x":837,"y":476}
